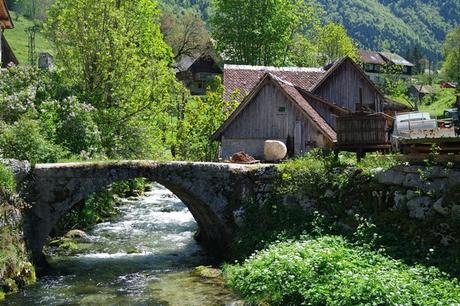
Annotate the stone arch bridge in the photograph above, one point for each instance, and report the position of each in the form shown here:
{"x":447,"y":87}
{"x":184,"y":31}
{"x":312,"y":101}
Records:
{"x":213,"y":192}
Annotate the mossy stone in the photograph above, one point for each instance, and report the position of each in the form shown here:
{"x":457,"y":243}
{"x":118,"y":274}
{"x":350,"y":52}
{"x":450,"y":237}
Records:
{"x":206,"y":272}
{"x":10,"y":286}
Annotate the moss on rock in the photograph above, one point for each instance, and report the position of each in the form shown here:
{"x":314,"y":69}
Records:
{"x":208,"y":275}
{"x":16,"y":271}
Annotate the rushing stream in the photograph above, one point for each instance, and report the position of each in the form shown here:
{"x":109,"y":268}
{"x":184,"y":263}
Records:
{"x":143,"y":258}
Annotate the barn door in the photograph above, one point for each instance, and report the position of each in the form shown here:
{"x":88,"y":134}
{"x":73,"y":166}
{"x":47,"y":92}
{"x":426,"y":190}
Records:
{"x":298,"y":138}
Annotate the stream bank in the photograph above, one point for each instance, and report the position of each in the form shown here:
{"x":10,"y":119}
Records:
{"x":146,"y":256}
{"x":16,"y":271}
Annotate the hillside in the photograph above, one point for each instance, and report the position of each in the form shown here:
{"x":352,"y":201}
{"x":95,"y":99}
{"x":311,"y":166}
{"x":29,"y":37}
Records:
{"x":396,"y":24}
{"x":18,"y":39}
{"x":374,"y":24}
{"x":384,"y":24}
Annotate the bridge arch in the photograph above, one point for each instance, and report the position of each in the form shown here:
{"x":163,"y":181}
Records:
{"x":211,"y":191}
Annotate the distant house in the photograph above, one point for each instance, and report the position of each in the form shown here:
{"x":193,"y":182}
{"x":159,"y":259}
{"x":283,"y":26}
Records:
{"x":298,"y":106}
{"x":6,"y":54}
{"x":374,"y":64}
{"x":197,"y":72}
{"x":418,"y":92}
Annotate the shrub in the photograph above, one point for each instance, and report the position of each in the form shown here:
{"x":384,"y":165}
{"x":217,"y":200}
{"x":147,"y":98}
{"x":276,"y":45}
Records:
{"x":97,"y":208}
{"x":71,"y":123}
{"x":7,"y":182}
{"x":25,"y":140}
{"x":100,"y":206}
{"x":330,"y":271}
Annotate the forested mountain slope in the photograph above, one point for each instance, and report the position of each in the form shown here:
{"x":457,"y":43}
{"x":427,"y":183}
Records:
{"x":396,"y":25}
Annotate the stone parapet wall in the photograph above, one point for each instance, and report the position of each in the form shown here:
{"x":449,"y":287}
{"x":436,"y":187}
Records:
{"x":424,"y":192}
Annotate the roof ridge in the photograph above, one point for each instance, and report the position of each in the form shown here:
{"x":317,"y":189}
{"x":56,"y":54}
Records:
{"x":273,"y":68}
{"x":280,"y":79}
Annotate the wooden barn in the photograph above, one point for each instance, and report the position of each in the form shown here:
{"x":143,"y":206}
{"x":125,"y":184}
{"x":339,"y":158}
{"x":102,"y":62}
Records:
{"x":298,"y":106}
{"x":197,"y":72}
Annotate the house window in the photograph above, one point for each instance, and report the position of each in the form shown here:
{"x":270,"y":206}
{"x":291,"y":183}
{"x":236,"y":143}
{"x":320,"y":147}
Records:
{"x":368,"y":67}
{"x":282,"y":109}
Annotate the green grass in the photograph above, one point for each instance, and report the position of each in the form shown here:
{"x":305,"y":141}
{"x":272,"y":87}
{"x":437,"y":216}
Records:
{"x":7,"y":182}
{"x":18,"y":39}
{"x":403,"y":100}
{"x":442,"y":100}
{"x":445,"y":98}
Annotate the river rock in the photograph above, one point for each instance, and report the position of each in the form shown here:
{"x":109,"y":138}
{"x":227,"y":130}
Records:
{"x":76,"y":234}
{"x":206,"y":272}
{"x":209,"y":275}
{"x":274,"y":150}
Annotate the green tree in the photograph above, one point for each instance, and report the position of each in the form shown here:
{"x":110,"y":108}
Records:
{"x":322,"y":45}
{"x":333,"y":43}
{"x":452,"y":55}
{"x":304,"y":52}
{"x":202,"y":117}
{"x":185,"y":33}
{"x":258,"y":32}
{"x":113,"y":53}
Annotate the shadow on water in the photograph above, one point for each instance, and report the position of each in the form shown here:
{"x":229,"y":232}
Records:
{"x":142,"y":258}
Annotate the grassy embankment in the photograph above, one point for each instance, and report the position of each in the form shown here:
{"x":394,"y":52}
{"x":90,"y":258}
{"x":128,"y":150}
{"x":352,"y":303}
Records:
{"x":18,"y":39}
{"x":350,"y":251}
{"x":441,"y":100}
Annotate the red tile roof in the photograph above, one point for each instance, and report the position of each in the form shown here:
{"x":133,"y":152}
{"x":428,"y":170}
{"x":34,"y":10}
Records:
{"x":244,"y":78}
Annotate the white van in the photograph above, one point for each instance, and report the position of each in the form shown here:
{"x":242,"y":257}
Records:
{"x":419,"y":125}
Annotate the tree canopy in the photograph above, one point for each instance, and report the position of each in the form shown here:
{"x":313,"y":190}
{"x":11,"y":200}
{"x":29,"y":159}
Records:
{"x":113,"y":54}
{"x":452,"y":55}
{"x":322,"y":46}
{"x":258,"y":32}
{"x":185,"y":32}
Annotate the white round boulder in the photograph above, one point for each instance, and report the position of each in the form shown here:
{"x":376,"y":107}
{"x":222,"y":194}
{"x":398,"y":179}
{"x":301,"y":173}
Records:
{"x":274,"y":150}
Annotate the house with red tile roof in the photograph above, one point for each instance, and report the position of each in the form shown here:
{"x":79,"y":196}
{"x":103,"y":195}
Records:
{"x":297,"y":106}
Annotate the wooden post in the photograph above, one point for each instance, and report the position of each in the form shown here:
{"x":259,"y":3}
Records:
{"x":1,"y":55}
{"x":360,"y":154}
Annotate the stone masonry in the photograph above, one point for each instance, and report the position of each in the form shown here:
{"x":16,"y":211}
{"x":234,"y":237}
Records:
{"x":211,"y":191}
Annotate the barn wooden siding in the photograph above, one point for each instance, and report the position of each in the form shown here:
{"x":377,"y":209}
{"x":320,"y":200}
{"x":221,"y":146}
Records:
{"x":344,"y":86}
{"x":262,"y":120}
{"x":362,"y":129}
